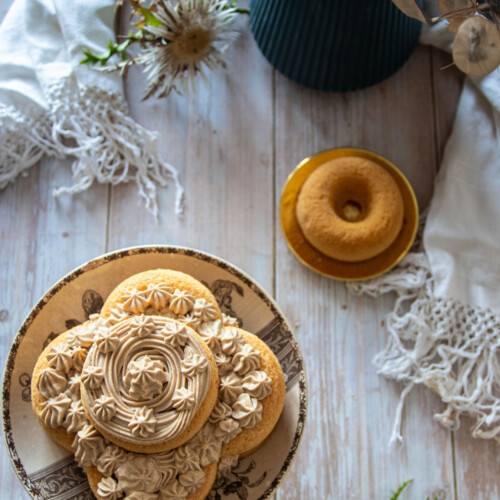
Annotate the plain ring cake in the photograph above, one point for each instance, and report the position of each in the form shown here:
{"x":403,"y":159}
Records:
{"x":350,"y":209}
{"x":160,"y":393}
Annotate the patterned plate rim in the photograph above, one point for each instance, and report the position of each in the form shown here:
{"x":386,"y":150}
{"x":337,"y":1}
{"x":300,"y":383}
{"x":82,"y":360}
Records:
{"x":101,"y":260}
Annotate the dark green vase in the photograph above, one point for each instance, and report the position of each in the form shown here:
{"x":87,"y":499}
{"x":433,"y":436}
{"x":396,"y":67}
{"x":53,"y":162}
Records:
{"x":334,"y":45}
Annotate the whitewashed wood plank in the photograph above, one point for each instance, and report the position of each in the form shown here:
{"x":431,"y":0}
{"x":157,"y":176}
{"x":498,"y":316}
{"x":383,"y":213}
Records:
{"x":220,"y":139}
{"x":43,"y":238}
{"x":477,"y":465}
{"x":393,"y":118}
{"x":344,"y":453}
{"x":448,"y":82}
{"x":235,"y":166}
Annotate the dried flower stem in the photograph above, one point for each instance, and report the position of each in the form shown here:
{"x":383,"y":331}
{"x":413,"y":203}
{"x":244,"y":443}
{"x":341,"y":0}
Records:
{"x":462,"y":12}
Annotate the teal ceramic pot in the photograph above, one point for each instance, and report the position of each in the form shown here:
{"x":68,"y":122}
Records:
{"x":334,"y":45}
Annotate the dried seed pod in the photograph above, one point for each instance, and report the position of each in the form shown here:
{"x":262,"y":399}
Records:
{"x":476,"y":49}
{"x":411,"y":9}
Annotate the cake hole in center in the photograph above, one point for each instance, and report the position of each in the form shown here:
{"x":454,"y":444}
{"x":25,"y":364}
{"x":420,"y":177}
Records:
{"x":351,"y":211}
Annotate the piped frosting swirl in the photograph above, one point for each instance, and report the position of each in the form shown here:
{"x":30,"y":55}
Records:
{"x":156,"y":383}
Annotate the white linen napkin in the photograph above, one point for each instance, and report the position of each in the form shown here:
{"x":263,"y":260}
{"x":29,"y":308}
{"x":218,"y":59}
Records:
{"x":461,"y":237}
{"x":444,"y":330}
{"x":52,"y":105}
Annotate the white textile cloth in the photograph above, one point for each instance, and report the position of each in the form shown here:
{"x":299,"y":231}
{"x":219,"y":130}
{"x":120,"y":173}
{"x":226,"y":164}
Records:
{"x":444,"y":331}
{"x":461,"y":237}
{"x":52,"y":105}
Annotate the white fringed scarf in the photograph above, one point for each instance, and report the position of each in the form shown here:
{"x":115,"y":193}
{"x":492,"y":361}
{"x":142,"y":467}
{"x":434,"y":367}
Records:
{"x":444,"y":330}
{"x":51,"y":105}
{"x":452,"y":348}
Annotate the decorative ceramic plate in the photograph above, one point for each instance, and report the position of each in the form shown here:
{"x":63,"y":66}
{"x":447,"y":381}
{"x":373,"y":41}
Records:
{"x":46,"y":470}
{"x":321,"y":263}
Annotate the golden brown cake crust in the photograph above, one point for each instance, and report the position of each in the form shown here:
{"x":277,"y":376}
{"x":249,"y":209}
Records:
{"x":59,"y":434}
{"x":174,"y":279}
{"x":210,"y":476}
{"x":94,"y":477}
{"x":350,"y":209}
{"x":249,"y":440}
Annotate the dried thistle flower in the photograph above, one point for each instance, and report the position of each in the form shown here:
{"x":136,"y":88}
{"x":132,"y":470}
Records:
{"x":180,"y":41}
{"x":476,"y":47}
{"x":193,"y":37}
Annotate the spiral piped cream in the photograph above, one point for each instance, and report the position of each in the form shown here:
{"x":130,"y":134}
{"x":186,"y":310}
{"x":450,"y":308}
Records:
{"x":176,"y":370}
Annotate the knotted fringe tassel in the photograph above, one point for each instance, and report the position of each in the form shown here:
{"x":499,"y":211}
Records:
{"x":451,"y":348}
{"x":95,"y":128}
{"x":23,"y":142}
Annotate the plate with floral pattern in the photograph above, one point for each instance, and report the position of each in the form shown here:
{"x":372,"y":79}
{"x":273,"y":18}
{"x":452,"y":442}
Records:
{"x":46,"y":470}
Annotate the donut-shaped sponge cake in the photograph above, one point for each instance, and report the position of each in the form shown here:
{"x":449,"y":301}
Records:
{"x":350,"y":209}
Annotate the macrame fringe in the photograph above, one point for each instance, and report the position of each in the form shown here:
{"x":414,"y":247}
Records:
{"x":93,"y":127}
{"x":449,"y":347}
{"x":23,"y":142}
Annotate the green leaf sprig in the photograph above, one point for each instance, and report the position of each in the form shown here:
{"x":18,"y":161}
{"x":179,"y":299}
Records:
{"x":396,"y":494}
{"x":113,"y":49}
{"x":146,"y":17}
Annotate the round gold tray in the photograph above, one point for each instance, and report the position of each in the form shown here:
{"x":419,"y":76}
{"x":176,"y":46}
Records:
{"x":317,"y":261}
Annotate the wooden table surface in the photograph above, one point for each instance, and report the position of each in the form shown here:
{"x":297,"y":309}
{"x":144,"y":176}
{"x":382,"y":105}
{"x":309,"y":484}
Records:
{"x":234,"y":144}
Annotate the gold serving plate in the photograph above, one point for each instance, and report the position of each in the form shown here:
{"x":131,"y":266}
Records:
{"x":321,"y":263}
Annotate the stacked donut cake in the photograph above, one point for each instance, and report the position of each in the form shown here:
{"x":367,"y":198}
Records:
{"x":158,"y":393}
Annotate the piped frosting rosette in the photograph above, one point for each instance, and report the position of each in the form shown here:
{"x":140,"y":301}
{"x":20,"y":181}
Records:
{"x":56,"y":386}
{"x":145,"y":379}
{"x":163,"y":292}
